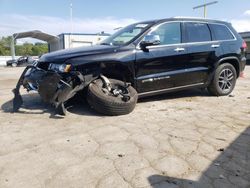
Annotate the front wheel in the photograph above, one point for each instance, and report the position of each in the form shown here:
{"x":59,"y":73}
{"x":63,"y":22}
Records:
{"x":224,"y":80}
{"x":120,"y":100}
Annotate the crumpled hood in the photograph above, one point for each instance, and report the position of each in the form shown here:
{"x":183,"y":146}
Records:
{"x":63,"y":55}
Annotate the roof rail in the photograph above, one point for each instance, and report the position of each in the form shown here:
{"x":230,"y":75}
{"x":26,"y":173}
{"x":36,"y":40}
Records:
{"x":190,"y":17}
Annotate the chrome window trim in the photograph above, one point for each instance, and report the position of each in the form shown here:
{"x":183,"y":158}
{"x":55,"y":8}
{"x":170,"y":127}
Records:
{"x":187,"y":43}
{"x":181,"y":44}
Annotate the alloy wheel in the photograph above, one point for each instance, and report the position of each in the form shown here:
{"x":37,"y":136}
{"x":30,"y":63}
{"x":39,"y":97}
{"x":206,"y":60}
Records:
{"x":226,"y":79}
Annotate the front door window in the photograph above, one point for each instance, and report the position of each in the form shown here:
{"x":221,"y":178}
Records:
{"x":169,"y":33}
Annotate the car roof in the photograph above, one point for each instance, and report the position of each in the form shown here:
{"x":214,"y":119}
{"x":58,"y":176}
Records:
{"x":186,"y":19}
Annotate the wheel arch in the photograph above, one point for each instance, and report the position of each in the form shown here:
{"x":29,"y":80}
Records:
{"x":233,"y":61}
{"x":117,"y":71}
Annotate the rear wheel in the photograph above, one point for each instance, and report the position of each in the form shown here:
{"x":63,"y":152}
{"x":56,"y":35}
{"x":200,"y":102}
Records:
{"x":120,"y":100}
{"x":224,"y":80}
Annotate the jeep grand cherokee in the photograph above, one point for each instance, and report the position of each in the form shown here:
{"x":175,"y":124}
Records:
{"x":142,"y":59}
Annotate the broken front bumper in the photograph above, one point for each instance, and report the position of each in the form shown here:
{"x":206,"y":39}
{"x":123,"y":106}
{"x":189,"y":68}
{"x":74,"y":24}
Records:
{"x":53,"y":87}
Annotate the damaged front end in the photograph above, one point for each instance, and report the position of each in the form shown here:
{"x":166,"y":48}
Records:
{"x":53,"y":87}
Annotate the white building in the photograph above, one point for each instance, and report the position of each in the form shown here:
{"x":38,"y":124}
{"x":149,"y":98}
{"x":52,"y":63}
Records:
{"x":72,"y":40}
{"x":62,"y":41}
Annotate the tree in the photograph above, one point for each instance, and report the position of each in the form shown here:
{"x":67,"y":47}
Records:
{"x":24,"y":50}
{"x":39,"y":49}
{"x":5,"y":43}
{"x":27,"y":49}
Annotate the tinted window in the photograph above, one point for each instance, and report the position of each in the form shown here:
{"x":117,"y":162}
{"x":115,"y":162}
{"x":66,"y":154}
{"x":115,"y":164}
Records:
{"x":197,"y":32}
{"x":221,"y":32}
{"x":169,"y":33}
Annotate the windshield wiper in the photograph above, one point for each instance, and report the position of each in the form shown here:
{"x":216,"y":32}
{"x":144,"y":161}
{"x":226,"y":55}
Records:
{"x":105,"y":43}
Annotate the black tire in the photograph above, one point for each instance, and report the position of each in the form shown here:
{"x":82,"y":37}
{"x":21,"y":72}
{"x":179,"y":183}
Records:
{"x":224,"y":80}
{"x":108,"y":104}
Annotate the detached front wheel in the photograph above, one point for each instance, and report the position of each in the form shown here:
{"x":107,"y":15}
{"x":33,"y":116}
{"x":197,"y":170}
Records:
{"x":119,"y":100}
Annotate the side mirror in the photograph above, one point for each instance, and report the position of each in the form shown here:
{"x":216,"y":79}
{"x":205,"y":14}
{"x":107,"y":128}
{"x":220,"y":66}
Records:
{"x":150,"y":40}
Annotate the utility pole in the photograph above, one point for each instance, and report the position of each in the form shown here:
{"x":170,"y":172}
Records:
{"x":71,"y":22}
{"x":71,"y":17}
{"x":12,"y":45}
{"x":205,"y":7}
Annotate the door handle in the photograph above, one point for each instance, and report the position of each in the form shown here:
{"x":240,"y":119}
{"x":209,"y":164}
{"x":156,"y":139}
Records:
{"x":179,"y":49}
{"x":215,"y":46}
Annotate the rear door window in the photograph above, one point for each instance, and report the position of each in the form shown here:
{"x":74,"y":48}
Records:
{"x":221,"y":32}
{"x":197,"y":32}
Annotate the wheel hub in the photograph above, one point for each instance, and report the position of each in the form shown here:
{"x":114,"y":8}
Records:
{"x":226,"y":79}
{"x":122,"y":93}
{"x":116,"y":91}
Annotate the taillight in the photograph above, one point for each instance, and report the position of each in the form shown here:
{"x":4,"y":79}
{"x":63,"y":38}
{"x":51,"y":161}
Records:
{"x":244,"y":45}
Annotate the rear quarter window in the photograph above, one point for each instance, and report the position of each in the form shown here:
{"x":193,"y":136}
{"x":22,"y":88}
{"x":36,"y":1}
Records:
{"x":221,"y":32}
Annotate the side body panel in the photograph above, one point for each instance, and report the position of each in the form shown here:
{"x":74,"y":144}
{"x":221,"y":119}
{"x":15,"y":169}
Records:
{"x":160,"y":68}
{"x":202,"y":56}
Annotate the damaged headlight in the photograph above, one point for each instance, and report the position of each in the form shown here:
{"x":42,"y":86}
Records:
{"x":60,"y":67}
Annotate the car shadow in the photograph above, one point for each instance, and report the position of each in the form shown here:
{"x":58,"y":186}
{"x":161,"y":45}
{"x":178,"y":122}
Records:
{"x":230,"y":169}
{"x":32,"y":101}
{"x":33,"y":104}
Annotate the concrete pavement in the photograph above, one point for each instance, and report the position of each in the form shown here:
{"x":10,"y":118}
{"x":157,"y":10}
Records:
{"x":184,"y":139}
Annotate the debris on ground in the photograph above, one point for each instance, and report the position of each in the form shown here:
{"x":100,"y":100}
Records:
{"x":222,"y":177}
{"x":221,"y":149}
{"x":222,"y":139}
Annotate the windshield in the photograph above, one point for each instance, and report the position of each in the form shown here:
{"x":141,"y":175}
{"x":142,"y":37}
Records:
{"x":125,"y":35}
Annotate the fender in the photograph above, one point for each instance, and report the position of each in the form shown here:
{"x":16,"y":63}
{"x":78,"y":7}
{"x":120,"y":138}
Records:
{"x":119,"y":71}
{"x":224,"y":59}
{"x":230,"y":59}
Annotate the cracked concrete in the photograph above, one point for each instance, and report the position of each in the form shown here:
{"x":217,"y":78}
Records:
{"x":184,"y":139}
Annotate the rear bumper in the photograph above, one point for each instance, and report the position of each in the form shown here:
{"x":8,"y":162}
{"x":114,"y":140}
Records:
{"x":243,"y":64}
{"x":51,"y":86}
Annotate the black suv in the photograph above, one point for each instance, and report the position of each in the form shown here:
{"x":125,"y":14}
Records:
{"x":142,"y":59}
{"x":21,"y":61}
